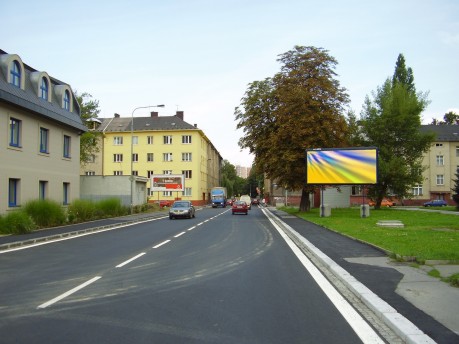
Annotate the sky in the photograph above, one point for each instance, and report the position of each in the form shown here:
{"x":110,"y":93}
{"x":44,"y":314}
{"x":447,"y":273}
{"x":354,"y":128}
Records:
{"x":199,"y":56}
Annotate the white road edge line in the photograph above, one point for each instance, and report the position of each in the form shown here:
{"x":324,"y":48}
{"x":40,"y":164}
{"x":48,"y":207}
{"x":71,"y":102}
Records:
{"x":358,"y":324}
{"x":161,"y":244}
{"x":130,"y":260}
{"x":68,"y":293}
{"x":180,"y":234}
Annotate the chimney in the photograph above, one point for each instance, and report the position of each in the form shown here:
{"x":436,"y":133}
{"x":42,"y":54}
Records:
{"x":179,"y":114}
{"x":117,"y":115}
{"x":154,"y":114}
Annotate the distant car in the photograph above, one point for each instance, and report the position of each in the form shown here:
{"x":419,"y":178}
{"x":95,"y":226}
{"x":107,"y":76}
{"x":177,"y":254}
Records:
{"x":163,"y":204}
{"x":183,"y":209}
{"x":246,"y":199}
{"x":255,"y":201}
{"x":240,"y":207}
{"x":436,"y":203}
{"x":384,"y":203}
{"x":229,"y":202}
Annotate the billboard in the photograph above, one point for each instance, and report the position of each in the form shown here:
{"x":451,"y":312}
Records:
{"x":342,"y":166}
{"x":167,"y":182}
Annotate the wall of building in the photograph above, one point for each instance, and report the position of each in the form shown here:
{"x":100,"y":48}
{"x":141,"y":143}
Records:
{"x":29,"y":166}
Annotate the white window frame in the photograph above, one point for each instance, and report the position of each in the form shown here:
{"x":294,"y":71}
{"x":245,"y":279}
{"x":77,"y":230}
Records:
{"x":167,"y":139}
{"x":187,"y":192}
{"x":150,"y":157}
{"x":167,"y":157}
{"x":187,"y":156}
{"x":117,"y":157}
{"x":440,"y":179}
{"x":440,"y":160}
{"x":149,"y":140}
{"x":117,"y":140}
{"x":186,"y":139}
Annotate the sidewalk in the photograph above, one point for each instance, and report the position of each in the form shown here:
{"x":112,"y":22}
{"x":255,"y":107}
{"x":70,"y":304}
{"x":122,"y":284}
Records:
{"x":398,"y":284}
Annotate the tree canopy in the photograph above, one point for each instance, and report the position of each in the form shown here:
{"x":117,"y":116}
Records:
{"x":298,"y":108}
{"x":391,"y":122}
{"x":89,"y":109}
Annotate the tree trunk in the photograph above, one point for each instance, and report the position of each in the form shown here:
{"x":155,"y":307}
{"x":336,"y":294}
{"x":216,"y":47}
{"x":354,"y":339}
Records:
{"x":305,"y":204}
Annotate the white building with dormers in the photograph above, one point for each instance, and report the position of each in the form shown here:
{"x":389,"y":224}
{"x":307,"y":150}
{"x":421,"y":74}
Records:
{"x":40,"y":137}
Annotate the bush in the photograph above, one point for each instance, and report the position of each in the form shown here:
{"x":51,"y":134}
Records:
{"x":81,"y":210}
{"x":110,"y":207}
{"x":45,"y":213}
{"x":16,"y":222}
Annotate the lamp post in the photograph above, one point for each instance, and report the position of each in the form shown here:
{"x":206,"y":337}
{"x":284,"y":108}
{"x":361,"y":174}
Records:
{"x":132,"y":151}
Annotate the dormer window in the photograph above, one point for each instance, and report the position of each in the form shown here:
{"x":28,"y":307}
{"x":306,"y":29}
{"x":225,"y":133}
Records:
{"x":67,"y":100}
{"x":15,"y":72}
{"x":44,"y":88}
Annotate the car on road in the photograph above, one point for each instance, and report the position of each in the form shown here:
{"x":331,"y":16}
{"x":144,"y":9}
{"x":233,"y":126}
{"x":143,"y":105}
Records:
{"x":240,"y":207}
{"x":246,"y":199}
{"x":229,"y":202}
{"x":255,"y":201}
{"x":184,"y":209}
{"x":436,"y":203}
{"x":384,"y":203}
{"x":163,"y":203}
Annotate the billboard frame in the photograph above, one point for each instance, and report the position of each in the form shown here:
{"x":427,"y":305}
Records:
{"x":330,"y":182}
{"x":170,"y":182}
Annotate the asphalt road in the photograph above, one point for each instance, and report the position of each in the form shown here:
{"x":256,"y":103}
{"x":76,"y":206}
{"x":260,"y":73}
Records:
{"x":218,"y":278}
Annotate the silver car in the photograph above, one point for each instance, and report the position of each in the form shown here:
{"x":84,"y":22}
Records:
{"x":183,"y":209}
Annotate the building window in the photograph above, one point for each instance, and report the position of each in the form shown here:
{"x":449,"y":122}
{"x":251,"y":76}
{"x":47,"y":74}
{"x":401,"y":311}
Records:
{"x":66,"y":146}
{"x":15,"y":73}
{"x":149,"y":140}
{"x":90,"y":173}
{"x":15,"y":132}
{"x":135,"y":173}
{"x":457,"y":151}
{"x":417,"y":190}
{"x":44,"y":88}
{"x":118,"y":140}
{"x":167,"y":193}
{"x":117,"y":173}
{"x":440,"y":161}
{"x":13,"y":192}
{"x":167,"y":139}
{"x":439,"y":145}
{"x":150,"y":173}
{"x":117,"y":157}
{"x":168,"y":172}
{"x":67,"y":100}
{"x":440,"y":179}
{"x":135,"y":157}
{"x":186,"y":156}
{"x":66,"y":193}
{"x":186,"y":139}
{"x":135,"y":140}
{"x":356,"y":190}
{"x":187,"y":174}
{"x":187,"y":192}
{"x":150,"y":157}
{"x":167,"y":156}
{"x":92,"y":159}
{"x":42,"y":187}
{"x":44,"y":139}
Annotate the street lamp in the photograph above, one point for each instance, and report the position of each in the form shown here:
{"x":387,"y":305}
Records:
{"x":132,"y":151}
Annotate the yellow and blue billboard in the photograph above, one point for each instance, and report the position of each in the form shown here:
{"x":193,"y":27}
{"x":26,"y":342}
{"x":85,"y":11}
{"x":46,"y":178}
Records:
{"x":342,"y":166}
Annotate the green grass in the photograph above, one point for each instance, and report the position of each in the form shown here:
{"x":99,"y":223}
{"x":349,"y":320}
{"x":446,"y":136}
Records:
{"x":426,"y":235}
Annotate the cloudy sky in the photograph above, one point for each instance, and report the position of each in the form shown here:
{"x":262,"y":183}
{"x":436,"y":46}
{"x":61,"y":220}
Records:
{"x":198,"y":56}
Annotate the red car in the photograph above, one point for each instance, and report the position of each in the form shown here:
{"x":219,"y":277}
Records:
{"x":240,"y":207}
{"x":163,"y":204}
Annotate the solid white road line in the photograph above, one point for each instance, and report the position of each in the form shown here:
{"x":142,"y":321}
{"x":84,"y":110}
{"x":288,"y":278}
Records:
{"x":358,"y":324}
{"x":68,"y":293}
{"x":130,"y":260}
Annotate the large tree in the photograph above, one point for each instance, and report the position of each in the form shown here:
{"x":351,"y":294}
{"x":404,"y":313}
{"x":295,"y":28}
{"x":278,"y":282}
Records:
{"x":89,"y":110}
{"x":391,"y":122}
{"x":301,"y":107}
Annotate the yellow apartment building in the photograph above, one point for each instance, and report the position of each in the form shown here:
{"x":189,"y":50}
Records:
{"x":40,"y":138}
{"x":156,"y":145}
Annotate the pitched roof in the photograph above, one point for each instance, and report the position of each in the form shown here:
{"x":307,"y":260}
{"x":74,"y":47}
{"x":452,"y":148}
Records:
{"x":119,"y":124}
{"x":444,"y":132}
{"x":28,"y":100}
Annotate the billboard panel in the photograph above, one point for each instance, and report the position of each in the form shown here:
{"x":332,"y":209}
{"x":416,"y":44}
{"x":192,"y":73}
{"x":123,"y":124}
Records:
{"x":167,"y":182}
{"x":342,"y":166}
